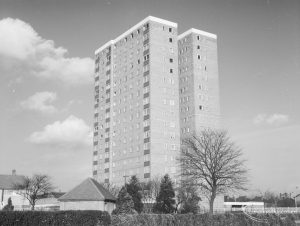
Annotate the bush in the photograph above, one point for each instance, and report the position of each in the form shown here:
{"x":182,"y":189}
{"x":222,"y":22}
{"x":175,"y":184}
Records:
{"x":9,"y":206}
{"x":232,"y":219}
{"x":44,"y":218}
{"x":125,"y":204}
{"x":97,"y":218}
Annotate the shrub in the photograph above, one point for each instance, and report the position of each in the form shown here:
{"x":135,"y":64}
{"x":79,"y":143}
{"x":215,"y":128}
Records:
{"x":39,"y":218}
{"x":165,"y":202}
{"x":9,"y":206}
{"x":125,"y":204}
{"x":134,"y":190}
{"x":232,"y":219}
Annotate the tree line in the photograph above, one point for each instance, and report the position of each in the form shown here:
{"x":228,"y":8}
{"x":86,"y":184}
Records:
{"x":210,"y":164}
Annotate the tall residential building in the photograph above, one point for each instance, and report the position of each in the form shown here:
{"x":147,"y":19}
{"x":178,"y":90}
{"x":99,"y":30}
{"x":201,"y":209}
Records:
{"x":136,"y":119}
{"x":140,"y":77}
{"x":198,"y":81}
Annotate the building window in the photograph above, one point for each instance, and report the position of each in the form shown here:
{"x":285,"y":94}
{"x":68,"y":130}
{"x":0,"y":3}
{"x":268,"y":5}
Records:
{"x":146,"y":111}
{"x":146,"y":123}
{"x":171,"y":71}
{"x":170,"y":29}
{"x":146,"y":78}
{"x":146,"y":158}
{"x":145,"y":27}
{"x":146,"y":100}
{"x":170,"y":40}
{"x":198,"y":47}
{"x":146,"y":146}
{"x":146,"y":134}
{"x":200,"y":107}
{"x":171,"y":60}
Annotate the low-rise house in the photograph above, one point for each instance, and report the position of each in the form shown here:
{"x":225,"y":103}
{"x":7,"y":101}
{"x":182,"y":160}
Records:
{"x":89,"y":195}
{"x":49,"y":201}
{"x":239,"y":206}
{"x":7,"y":190}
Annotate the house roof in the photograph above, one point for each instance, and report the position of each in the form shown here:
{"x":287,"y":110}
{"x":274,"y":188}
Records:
{"x":7,"y":182}
{"x":88,"y":190}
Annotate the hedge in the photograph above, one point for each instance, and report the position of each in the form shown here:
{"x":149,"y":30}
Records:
{"x":99,"y":218}
{"x":232,"y":219}
{"x":57,"y":218}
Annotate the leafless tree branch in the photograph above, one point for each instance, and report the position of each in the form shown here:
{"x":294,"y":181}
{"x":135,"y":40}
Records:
{"x":214,"y":163}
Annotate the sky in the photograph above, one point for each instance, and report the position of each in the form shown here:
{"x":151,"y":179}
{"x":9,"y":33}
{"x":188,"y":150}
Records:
{"x":46,"y":80}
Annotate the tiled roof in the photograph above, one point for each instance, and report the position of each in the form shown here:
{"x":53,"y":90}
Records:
{"x":7,"y":182}
{"x":88,"y":190}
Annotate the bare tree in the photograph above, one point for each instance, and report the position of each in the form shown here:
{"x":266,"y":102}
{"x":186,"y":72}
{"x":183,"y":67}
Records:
{"x":30,"y":188}
{"x":213,"y":162}
{"x":112,"y":188}
{"x":150,"y":190}
{"x":270,"y":198}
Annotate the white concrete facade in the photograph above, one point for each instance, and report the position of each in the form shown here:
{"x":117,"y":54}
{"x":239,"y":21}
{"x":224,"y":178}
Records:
{"x":19,"y":202}
{"x":136,"y":104}
{"x":87,"y":205}
{"x":151,"y":89}
{"x":198,"y":82}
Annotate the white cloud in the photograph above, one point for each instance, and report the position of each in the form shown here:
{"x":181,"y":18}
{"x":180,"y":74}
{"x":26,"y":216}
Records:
{"x":274,"y":119}
{"x":40,"y":101}
{"x":260,"y":118}
{"x":277,"y":119}
{"x":23,"y":51}
{"x":72,"y":132}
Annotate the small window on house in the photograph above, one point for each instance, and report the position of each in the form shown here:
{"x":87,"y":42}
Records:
{"x":200,"y":107}
{"x":198,"y":37}
{"x":170,"y":40}
{"x":199,"y":57}
{"x":171,"y":71}
{"x":171,"y":60}
{"x":198,"y":47}
{"x":170,"y":29}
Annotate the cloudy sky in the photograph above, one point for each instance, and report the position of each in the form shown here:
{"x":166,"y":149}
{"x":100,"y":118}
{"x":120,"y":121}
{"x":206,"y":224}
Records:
{"x":46,"y":80}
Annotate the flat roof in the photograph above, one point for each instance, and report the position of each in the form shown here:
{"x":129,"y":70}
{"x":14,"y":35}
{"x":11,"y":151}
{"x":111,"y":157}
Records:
{"x":130,"y":30}
{"x":196,"y":31}
{"x":244,"y":203}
